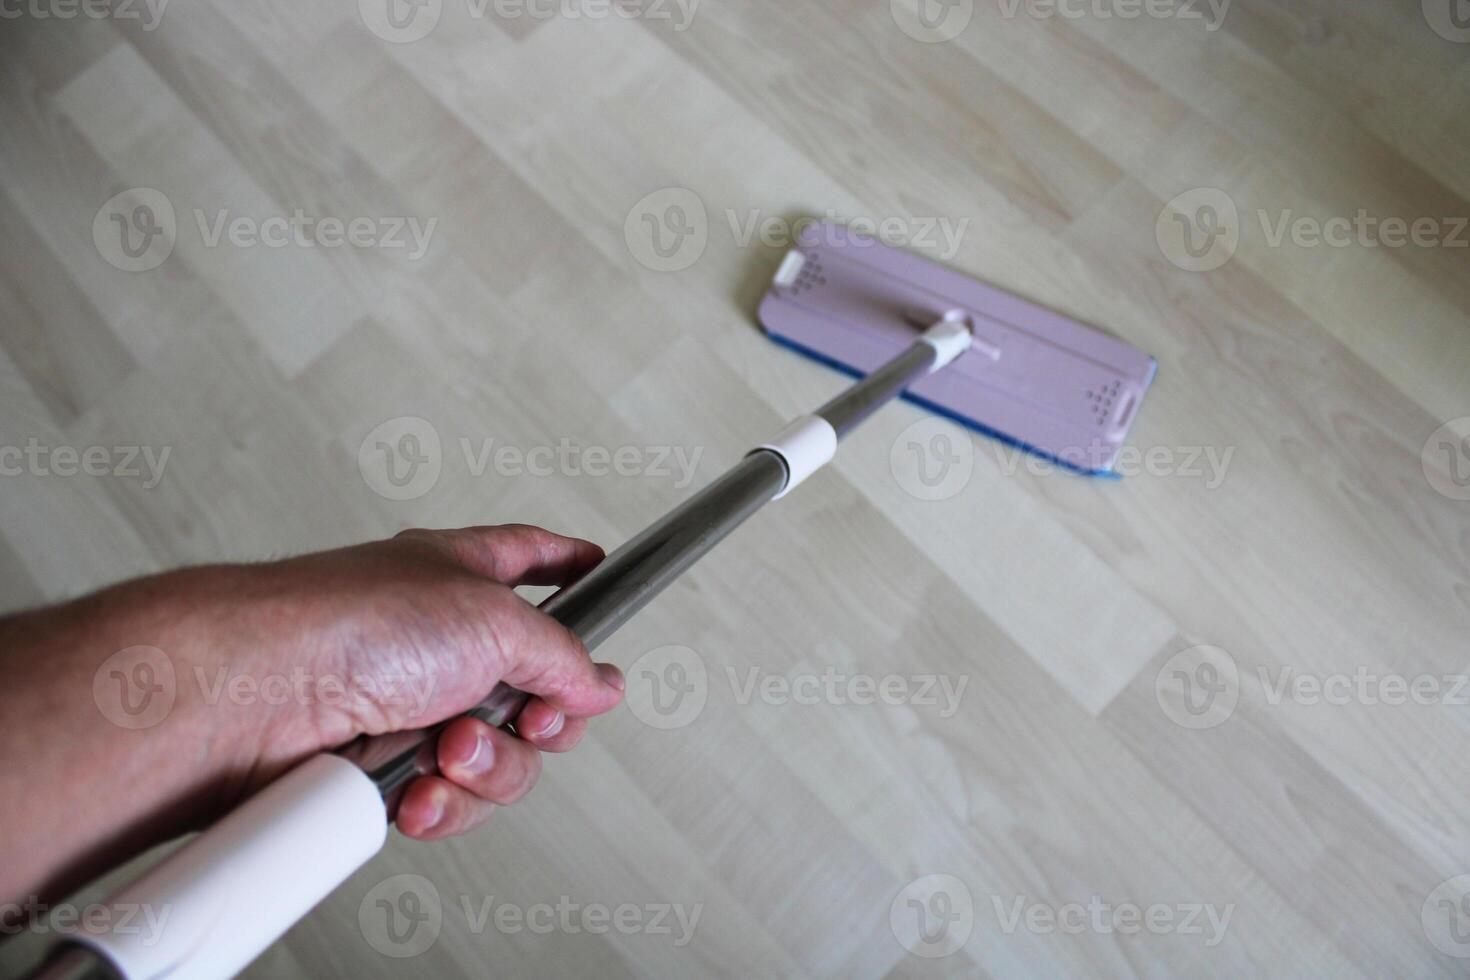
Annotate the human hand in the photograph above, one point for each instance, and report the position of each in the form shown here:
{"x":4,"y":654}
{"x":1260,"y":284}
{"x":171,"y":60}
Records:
{"x":419,"y":629}
{"x":273,"y":663}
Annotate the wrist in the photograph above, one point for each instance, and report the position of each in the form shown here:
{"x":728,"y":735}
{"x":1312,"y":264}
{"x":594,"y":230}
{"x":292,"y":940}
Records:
{"x":111,"y":752}
{"x":148,"y":651}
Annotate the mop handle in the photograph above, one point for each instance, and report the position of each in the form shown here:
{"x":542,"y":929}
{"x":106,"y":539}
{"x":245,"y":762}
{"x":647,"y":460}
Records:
{"x":235,"y":889}
{"x":597,"y":605}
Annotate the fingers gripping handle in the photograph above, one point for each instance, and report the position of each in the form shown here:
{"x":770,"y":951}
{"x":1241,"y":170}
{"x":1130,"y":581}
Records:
{"x":220,"y":900}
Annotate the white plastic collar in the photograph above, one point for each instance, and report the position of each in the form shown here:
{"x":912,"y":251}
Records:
{"x":951,"y":337}
{"x":807,"y":445}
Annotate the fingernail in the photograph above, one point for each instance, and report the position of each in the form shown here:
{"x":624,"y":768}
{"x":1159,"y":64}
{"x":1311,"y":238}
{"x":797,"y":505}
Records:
{"x":612,"y":677}
{"x":482,"y":757}
{"x":436,"y":811}
{"x":552,"y":727}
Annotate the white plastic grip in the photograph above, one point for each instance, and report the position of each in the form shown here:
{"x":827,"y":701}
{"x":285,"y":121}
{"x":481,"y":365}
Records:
{"x":807,"y":445}
{"x":221,"y":899}
{"x":790,"y":269}
{"x":950,"y":337}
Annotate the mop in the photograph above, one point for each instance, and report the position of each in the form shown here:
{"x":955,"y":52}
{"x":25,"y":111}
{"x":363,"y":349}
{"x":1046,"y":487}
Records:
{"x":1033,"y":379}
{"x":905,"y":326}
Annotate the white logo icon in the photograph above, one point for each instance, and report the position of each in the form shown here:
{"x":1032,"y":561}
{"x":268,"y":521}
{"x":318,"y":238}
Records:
{"x":1450,"y":19}
{"x":932,"y":21}
{"x":1446,"y":459}
{"x":932,"y":459}
{"x":135,"y":688}
{"x":136,"y":230}
{"x":400,"y":21}
{"x":401,"y":459}
{"x":401,"y":916}
{"x":668,"y":230}
{"x":1198,"y":688}
{"x":1199,"y":230}
{"x":1446,"y":917}
{"x":668,"y":687}
{"x":933,"y":916}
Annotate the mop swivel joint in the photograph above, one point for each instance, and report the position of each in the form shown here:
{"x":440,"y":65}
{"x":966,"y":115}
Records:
{"x":950,"y":338}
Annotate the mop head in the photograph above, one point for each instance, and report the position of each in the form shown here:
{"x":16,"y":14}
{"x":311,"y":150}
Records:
{"x":1034,"y":379}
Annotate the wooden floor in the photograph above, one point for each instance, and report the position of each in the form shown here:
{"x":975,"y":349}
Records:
{"x":1175,"y":740}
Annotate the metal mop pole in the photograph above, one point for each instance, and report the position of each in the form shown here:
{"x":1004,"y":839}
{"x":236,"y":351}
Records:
{"x":241,"y":884}
{"x":632,"y":576}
